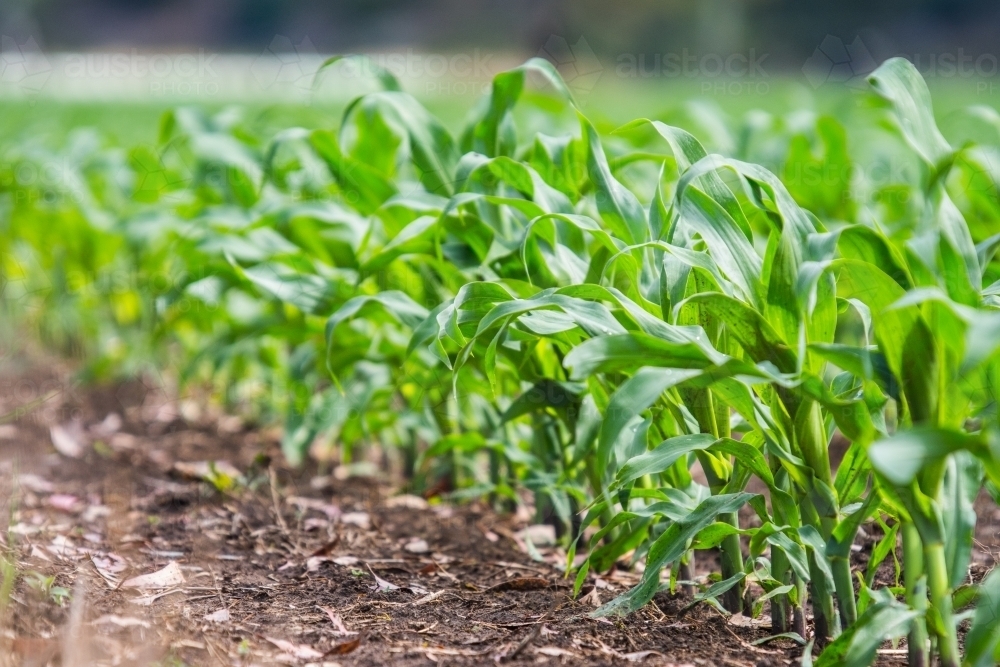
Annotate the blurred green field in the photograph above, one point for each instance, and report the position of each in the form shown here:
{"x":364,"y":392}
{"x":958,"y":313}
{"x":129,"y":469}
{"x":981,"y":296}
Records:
{"x":612,"y":101}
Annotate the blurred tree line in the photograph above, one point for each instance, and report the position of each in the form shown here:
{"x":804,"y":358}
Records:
{"x":788,"y":31}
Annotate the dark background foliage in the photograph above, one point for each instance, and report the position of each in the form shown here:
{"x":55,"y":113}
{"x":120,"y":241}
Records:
{"x":787,"y":30}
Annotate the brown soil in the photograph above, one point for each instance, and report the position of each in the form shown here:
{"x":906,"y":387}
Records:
{"x":291,"y":566}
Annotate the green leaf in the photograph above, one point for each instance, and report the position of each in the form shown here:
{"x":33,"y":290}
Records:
{"x":386,"y":79}
{"x":485,"y":133}
{"x":901,"y":457}
{"x":668,"y":548}
{"x":899,"y":82}
{"x":432,"y":148}
{"x":630,"y":351}
{"x":633,"y":397}
{"x":857,"y":645}
{"x":620,"y":209}
{"x":363,"y":185}
{"x":748,"y":327}
{"x":726,"y":242}
{"x":661,"y":457}
{"x":963,"y":480}
{"x":982,"y":643}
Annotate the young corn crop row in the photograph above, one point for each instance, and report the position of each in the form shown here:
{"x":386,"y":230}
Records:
{"x":588,"y":315}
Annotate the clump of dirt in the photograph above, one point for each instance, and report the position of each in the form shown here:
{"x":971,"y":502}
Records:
{"x":140,"y":536}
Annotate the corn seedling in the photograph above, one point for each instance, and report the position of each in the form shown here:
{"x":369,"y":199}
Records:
{"x":634,"y":324}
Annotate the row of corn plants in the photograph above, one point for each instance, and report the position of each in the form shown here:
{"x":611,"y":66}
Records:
{"x":634,"y":327}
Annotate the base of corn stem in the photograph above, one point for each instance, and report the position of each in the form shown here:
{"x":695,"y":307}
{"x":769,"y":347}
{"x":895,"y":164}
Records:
{"x":686,"y":573}
{"x":824,"y":611}
{"x":940,"y":594}
{"x":732,"y":564}
{"x":844,"y":584}
{"x":780,"y":571}
{"x":799,"y":622}
{"x":798,"y":611}
{"x":916,"y":595}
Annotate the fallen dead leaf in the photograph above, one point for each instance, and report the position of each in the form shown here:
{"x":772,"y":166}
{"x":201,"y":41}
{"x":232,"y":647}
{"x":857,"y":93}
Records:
{"x":64,"y":502}
{"x":111,"y":424}
{"x":123,"y":442}
{"x":207,"y":471}
{"x":593,"y":598}
{"x":540,"y":534}
{"x":300,"y":651}
{"x":639,"y":656}
{"x":110,"y":562}
{"x":345,"y":647}
{"x":148,"y":600}
{"x":167,"y":577}
{"x":408,"y":501}
{"x":332,"y":511}
{"x":313,"y":523}
{"x":66,"y":442}
{"x":430,"y":597}
{"x":553,"y":651}
{"x":220,"y":616}
{"x":337,"y":621}
{"x":346,"y":561}
{"x":326,"y":548}
{"x":34,"y":483}
{"x":62,"y":547}
{"x":109,"y":566}
{"x":360,"y":519}
{"x":313,"y":563}
{"x":520,"y":584}
{"x":381,"y":584}
{"x":94,"y":512}
{"x":741,"y":621}
{"x":121,"y":621}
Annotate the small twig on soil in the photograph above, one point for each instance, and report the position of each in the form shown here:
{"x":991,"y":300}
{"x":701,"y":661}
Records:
{"x":744,"y":643}
{"x":531,"y":636}
{"x":273,"y":479}
{"x":516,"y":566}
{"x":218,"y":589}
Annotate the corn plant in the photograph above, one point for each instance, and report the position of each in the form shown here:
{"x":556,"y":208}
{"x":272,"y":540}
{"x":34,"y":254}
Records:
{"x":631,"y":324}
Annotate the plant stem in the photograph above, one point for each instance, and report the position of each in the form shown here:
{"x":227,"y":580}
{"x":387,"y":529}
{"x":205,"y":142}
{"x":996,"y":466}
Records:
{"x":940,"y":593}
{"x":814,"y":446}
{"x":824,"y":612}
{"x":703,"y":408}
{"x":687,"y":573}
{"x":780,"y":570}
{"x":916,"y":594}
{"x":844,"y":584}
{"x":798,"y":612}
{"x":781,"y":605}
{"x":732,"y":563}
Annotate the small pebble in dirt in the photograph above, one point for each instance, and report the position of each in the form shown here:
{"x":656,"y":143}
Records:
{"x":417,"y":546}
